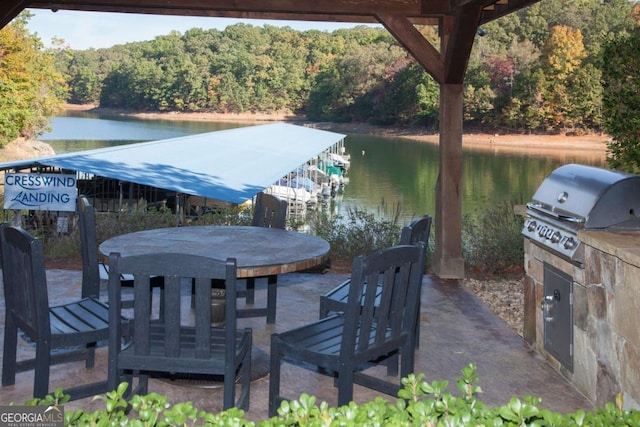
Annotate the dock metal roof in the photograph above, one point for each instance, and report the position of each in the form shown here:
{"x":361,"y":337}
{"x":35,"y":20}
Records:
{"x":230,"y":165}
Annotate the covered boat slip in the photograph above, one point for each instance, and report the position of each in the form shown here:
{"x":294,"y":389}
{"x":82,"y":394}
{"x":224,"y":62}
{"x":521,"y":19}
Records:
{"x":229,"y":166}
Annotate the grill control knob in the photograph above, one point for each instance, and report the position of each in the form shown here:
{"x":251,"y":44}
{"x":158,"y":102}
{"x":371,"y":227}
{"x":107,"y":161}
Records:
{"x":531,"y":225}
{"x":555,"y":237}
{"x":570,"y":243}
{"x":549,"y":233}
{"x":542,"y":231}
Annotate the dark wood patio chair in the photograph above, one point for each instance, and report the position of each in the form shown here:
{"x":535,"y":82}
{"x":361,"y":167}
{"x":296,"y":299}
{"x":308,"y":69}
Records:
{"x":270,"y":211}
{"x":63,"y":333}
{"x":171,"y":343}
{"x":371,"y":329}
{"x":95,"y":272}
{"x":336,"y":299}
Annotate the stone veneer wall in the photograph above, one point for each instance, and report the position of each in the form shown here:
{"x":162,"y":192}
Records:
{"x":606,"y":314}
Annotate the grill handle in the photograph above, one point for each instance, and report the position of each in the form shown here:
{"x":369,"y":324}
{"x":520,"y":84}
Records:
{"x":568,"y":218}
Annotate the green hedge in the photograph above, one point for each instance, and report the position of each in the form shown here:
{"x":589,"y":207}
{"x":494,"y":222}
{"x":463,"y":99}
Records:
{"x":419,"y":404}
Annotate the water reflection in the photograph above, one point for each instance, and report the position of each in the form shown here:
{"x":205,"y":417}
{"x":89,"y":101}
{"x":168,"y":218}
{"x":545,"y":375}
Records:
{"x":399,"y":171}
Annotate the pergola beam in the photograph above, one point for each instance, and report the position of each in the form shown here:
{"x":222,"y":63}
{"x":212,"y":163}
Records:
{"x":415,"y":43}
{"x":461,"y":34}
{"x":280,"y":7}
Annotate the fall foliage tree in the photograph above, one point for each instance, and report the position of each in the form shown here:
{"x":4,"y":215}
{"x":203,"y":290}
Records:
{"x":30,"y":87}
{"x":564,"y":51}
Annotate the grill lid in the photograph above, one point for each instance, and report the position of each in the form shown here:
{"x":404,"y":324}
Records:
{"x":590,"y":197}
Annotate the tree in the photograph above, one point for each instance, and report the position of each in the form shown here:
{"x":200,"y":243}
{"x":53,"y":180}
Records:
{"x":349,"y":89}
{"x":30,"y":88}
{"x":562,"y":57}
{"x":621,"y":100}
{"x":563,"y":52}
{"x":411,"y":96}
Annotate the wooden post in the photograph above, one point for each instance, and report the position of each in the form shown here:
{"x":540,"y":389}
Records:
{"x":448,"y":262}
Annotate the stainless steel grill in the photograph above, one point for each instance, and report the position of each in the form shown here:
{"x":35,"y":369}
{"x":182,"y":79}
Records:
{"x":576,"y":197}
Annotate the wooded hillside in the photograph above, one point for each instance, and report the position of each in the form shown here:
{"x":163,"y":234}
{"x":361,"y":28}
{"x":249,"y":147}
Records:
{"x":537,"y":70}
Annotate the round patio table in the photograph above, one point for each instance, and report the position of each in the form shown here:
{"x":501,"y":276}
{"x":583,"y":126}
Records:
{"x":259,"y":251}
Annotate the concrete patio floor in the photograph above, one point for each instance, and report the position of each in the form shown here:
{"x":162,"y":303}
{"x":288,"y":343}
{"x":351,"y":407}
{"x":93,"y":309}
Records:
{"x":456,"y":329}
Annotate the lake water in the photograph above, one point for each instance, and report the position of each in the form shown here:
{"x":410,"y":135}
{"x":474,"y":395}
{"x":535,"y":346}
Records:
{"x":385,"y":172}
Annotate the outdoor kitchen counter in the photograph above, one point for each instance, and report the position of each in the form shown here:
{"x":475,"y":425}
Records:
{"x":621,"y":244}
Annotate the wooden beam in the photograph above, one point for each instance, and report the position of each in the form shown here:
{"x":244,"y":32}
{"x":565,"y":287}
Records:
{"x":462,"y":29}
{"x":419,"y":47}
{"x":299,"y":7}
{"x":359,"y":19}
{"x":436,"y":7}
{"x":9,"y":9}
{"x":503,"y":9}
{"x":460,"y":4}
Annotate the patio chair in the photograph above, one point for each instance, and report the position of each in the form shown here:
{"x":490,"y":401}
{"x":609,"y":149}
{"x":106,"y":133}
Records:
{"x":270,"y":211}
{"x":371,"y":329}
{"x":172,"y":343}
{"x":336,"y":299}
{"x":60,"y":334}
{"x":95,"y":272}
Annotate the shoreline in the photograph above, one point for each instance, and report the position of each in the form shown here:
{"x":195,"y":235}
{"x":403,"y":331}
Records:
{"x":592,"y":146}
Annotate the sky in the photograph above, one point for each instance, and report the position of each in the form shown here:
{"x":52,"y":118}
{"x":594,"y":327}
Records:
{"x":85,"y":30}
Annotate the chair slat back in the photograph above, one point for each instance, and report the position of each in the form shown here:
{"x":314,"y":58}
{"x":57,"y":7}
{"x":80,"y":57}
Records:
{"x":417,"y":231}
{"x":270,"y":211}
{"x":24,"y":280}
{"x":89,"y":248}
{"x":178,"y":270}
{"x":389,"y":315}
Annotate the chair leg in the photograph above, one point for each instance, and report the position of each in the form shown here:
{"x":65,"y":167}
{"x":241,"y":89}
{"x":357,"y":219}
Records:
{"x":41,"y":374}
{"x":274,"y":377}
{"x":143,"y":383}
{"x":417,"y":337}
{"x":91,"y":356}
{"x":245,"y":390}
{"x":407,"y":356}
{"x":272,"y":291}
{"x":229,"y":392}
{"x":128,"y":376}
{"x":9,"y":363}
{"x":251,"y":291}
{"x":392,"y":365}
{"x":345,"y":386}
{"x":323,"y":308}
{"x":193,"y":295}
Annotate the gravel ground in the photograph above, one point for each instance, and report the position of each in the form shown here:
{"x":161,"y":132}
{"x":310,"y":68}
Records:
{"x":504,"y":297}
